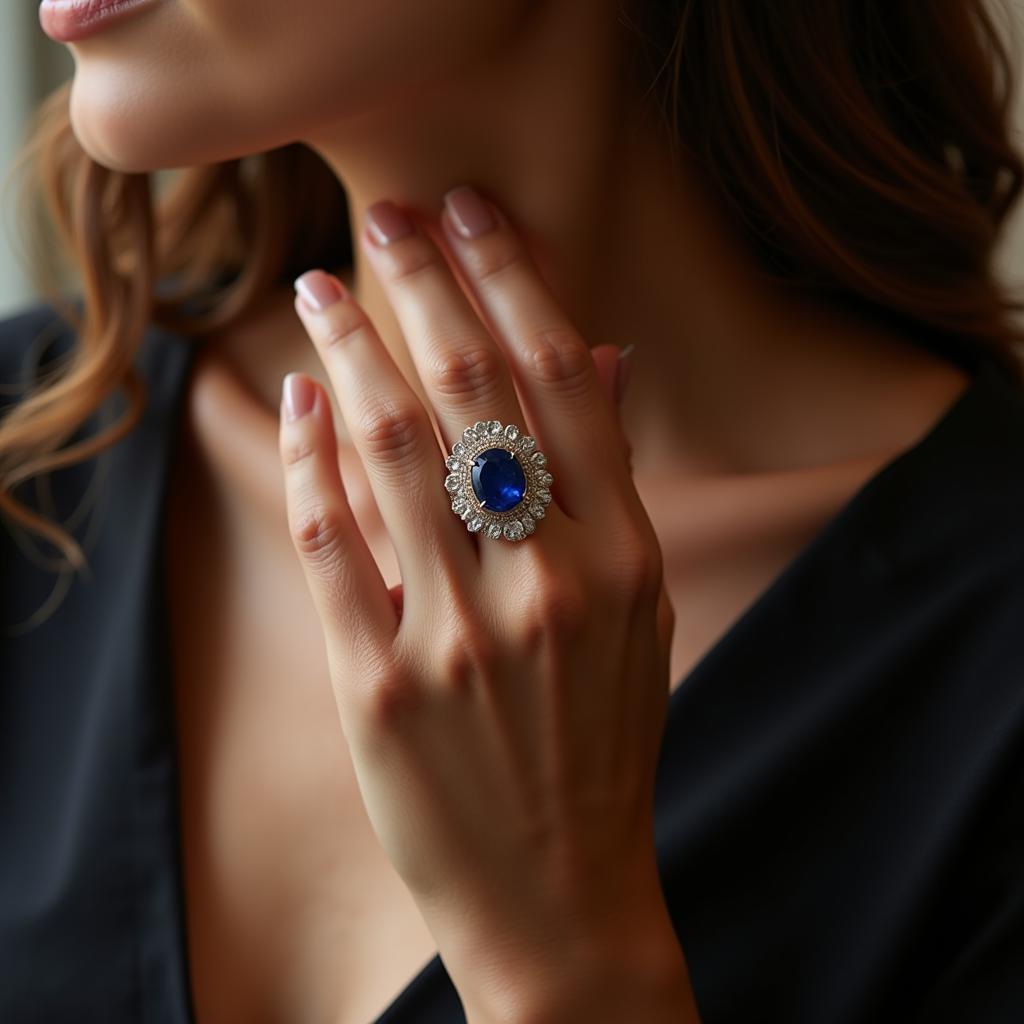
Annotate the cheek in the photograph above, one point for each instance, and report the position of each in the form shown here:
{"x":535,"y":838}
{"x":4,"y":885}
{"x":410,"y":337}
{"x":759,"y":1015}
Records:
{"x":187,"y":82}
{"x":197,"y":81}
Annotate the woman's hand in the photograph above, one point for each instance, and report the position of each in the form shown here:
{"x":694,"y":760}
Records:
{"x":504,"y":704}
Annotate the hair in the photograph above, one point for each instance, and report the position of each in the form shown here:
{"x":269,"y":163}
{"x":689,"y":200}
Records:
{"x":862,"y":148}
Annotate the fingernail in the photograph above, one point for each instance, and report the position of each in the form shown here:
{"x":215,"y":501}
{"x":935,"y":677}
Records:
{"x":387,"y":223}
{"x":622,"y":371}
{"x":319,"y":289}
{"x":299,"y":392}
{"x":469,"y":212}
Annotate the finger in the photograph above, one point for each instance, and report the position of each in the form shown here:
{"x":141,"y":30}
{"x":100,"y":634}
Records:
{"x":465,"y":376}
{"x":391,"y":432}
{"x":463,"y":370}
{"x":557,"y":381}
{"x":609,"y":361}
{"x":606,"y":358}
{"x":347,"y":588}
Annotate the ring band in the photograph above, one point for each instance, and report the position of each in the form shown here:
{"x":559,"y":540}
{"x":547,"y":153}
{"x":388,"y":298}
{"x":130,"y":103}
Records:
{"x":497,"y":480}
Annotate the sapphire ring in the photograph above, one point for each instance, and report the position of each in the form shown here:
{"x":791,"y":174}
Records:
{"x":497,"y":480}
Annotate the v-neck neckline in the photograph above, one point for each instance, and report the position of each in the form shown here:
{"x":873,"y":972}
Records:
{"x":853,"y":508}
{"x":432,"y":971}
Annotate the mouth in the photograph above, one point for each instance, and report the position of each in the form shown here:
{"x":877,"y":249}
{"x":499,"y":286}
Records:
{"x":68,"y":20}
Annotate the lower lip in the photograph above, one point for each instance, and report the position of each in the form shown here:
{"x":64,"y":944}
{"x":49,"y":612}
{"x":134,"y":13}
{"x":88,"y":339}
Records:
{"x":68,"y":20}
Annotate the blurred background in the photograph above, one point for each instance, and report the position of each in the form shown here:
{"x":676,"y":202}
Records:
{"x":33,"y":64}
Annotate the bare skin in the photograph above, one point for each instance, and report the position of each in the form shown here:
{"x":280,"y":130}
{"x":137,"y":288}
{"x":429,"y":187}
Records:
{"x":287,"y":883}
{"x":754,"y":416}
{"x":293,"y":911}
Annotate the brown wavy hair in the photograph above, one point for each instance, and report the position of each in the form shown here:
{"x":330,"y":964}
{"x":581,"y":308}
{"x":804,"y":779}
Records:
{"x":862,"y":147}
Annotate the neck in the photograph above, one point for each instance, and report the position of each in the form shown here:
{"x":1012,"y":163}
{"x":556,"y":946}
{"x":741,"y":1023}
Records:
{"x":552,"y":128}
{"x":562,"y":142}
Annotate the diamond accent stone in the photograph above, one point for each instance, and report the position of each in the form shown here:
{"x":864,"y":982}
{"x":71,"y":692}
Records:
{"x":497,"y":481}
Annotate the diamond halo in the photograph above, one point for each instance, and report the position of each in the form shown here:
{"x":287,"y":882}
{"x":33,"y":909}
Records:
{"x":519,"y":520}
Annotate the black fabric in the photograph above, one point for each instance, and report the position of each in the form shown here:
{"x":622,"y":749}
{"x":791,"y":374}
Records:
{"x":840,"y":796}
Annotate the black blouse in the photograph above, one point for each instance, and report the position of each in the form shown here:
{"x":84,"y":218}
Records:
{"x":840,"y":791}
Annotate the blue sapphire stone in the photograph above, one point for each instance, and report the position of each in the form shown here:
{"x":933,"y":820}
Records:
{"x":498,"y":480}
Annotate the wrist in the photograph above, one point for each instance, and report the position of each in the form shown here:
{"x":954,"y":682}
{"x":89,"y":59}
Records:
{"x":630,"y":968}
{"x":608,"y":992}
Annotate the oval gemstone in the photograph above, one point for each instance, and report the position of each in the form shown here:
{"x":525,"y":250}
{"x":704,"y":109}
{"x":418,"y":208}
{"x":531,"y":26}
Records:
{"x":498,"y":480}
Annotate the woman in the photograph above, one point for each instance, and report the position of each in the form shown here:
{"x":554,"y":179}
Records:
{"x":722,"y":723}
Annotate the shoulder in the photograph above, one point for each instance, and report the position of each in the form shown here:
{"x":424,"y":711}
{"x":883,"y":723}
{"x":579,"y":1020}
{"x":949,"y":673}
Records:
{"x":957,"y":497}
{"x":939,"y":550}
{"x":78,"y":493}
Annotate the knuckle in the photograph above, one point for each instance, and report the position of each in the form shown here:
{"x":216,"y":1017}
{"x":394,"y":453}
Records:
{"x":316,"y":532}
{"x":552,"y":605}
{"x":473,"y":371}
{"x":492,"y":263}
{"x":390,"y":698}
{"x":463,"y":661}
{"x":343,"y":327}
{"x":392,"y":433}
{"x":560,"y":359}
{"x":635,"y":570}
{"x":565,"y":610}
{"x":297,"y":447}
{"x":411,"y":261}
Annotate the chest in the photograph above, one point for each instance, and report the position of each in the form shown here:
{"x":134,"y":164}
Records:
{"x":727,"y":541}
{"x":292,"y":910}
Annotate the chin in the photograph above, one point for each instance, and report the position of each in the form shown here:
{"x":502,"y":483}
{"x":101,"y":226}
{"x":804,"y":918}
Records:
{"x":123,"y":130}
{"x":111,"y":129}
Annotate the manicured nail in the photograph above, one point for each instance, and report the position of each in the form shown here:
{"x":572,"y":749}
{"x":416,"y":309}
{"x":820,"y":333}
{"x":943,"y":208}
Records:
{"x":299,"y":392}
{"x":387,"y":223}
{"x":469,"y":212}
{"x":319,"y":289}
{"x":622,"y":371}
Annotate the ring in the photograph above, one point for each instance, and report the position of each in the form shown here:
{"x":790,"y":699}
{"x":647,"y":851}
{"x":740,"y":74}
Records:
{"x":497,"y":480}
